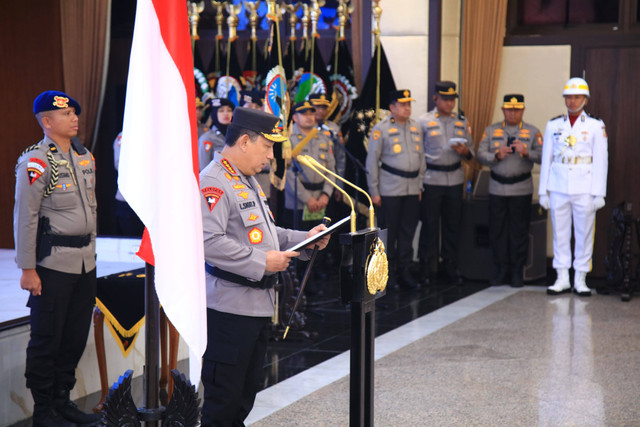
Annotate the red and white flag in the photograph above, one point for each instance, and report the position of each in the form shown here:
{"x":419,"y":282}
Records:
{"x":158,"y":171}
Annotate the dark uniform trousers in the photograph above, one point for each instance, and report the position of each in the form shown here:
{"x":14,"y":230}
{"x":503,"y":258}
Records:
{"x":232,"y":366}
{"x":60,"y":320}
{"x":509,"y":218}
{"x":440,"y":201}
{"x":401,"y":215}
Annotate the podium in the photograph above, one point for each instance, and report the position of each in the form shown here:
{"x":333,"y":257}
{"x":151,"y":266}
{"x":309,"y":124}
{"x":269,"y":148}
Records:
{"x":359,"y":252}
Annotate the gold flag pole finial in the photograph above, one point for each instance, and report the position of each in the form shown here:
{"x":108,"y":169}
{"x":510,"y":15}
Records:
{"x":232,"y":22}
{"x":292,"y":9}
{"x":343,"y":12}
{"x":314,"y":14}
{"x":252,"y":7}
{"x":194,"y":10}
{"x":219,"y":7}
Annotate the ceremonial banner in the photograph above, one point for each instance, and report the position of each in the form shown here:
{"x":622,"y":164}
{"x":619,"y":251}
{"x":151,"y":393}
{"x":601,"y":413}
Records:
{"x":158,"y":174}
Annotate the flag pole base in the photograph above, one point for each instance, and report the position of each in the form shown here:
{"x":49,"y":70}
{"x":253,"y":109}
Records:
{"x":183,"y":410}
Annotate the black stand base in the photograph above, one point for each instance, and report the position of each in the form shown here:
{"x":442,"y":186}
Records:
{"x":183,"y":410}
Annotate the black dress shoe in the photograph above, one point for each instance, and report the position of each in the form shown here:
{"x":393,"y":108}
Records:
{"x":406,"y":280}
{"x":454,"y":277}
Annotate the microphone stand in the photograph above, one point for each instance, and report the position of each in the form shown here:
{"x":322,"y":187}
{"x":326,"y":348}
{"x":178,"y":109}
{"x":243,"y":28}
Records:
{"x":359,"y":167}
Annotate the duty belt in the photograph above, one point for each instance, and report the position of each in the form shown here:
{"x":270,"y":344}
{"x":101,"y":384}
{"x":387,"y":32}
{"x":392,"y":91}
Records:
{"x":581,"y":160}
{"x":510,"y":179}
{"x":444,"y":168}
{"x":313,"y":186}
{"x":68,"y":241}
{"x":267,"y":282}
{"x":399,"y":172}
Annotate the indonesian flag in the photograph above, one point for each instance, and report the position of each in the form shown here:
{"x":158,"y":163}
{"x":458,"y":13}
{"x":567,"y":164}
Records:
{"x":158,"y":172}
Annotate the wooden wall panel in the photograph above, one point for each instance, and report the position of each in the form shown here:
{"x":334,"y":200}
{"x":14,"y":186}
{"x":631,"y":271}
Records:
{"x":30,"y":49}
{"x":612,"y":74}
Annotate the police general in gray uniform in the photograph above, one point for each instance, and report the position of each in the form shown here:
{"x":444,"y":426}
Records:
{"x":510,"y":148}
{"x":244,"y":251}
{"x":395,"y":165}
{"x":55,"y":229}
{"x":447,"y":141}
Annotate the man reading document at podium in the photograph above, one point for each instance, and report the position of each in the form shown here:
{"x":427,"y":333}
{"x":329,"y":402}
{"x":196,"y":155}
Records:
{"x":243,"y":255}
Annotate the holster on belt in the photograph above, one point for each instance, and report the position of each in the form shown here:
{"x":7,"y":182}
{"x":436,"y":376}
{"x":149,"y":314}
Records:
{"x":43,"y":243}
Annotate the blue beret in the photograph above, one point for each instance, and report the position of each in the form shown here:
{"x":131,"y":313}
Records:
{"x":54,"y":100}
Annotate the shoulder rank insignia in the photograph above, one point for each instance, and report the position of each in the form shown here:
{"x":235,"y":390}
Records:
{"x":212,"y":195}
{"x":35,"y":169}
{"x":228,"y":166}
{"x":255,"y":235}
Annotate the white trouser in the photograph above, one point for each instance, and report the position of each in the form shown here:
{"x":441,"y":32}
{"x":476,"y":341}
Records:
{"x":564,"y":208}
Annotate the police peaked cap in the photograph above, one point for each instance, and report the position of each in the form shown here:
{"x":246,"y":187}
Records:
{"x":54,"y":100}
{"x":319,"y":100}
{"x":514,"y":100}
{"x":446,"y":88}
{"x":303,"y":106}
{"x":402,"y":95}
{"x":258,"y":121}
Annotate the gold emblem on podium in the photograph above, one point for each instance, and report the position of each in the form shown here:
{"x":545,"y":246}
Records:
{"x":377,"y":268}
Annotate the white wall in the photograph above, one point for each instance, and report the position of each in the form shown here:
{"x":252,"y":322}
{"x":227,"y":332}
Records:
{"x":404,"y":27}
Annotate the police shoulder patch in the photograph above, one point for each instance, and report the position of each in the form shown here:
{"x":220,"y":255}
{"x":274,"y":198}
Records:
{"x":211,"y":196}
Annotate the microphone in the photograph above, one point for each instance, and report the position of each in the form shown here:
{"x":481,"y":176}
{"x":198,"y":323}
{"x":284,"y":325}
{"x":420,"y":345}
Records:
{"x":305,"y":161}
{"x":313,"y":161}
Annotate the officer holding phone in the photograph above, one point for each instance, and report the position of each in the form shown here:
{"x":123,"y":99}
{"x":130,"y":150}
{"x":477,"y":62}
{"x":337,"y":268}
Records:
{"x":510,"y":148}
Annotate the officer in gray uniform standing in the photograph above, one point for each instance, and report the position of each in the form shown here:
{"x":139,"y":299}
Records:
{"x":510,"y":148}
{"x":395,"y":166}
{"x":244,"y":251}
{"x":213,"y":139}
{"x":313,"y":192}
{"x":55,"y":229}
{"x":447,"y":141}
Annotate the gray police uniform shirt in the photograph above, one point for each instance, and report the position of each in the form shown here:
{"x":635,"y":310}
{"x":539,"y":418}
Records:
{"x":332,"y":131}
{"x":437,"y":131}
{"x":210,"y":142}
{"x":513,"y":164}
{"x":400,"y":147}
{"x":71,"y":207}
{"x":320,"y":148}
{"x":239,"y":229}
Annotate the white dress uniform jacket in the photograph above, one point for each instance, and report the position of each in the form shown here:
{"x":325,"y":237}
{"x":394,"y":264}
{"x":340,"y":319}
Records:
{"x":574,"y":159}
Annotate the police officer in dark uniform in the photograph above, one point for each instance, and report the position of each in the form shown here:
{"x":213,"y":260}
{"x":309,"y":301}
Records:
{"x":55,"y":228}
{"x":244,"y":251}
{"x":395,"y":165}
{"x":447,"y":141}
{"x":510,"y":148}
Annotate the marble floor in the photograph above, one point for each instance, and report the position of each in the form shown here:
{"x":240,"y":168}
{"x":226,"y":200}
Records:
{"x":460,"y":356}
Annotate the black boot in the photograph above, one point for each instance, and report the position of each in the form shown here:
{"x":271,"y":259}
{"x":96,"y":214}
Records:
{"x":516,"y":277}
{"x":43,"y":413}
{"x":69,"y":410}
